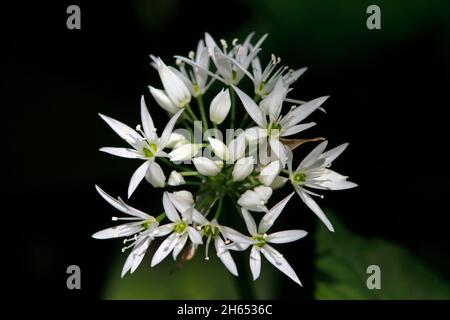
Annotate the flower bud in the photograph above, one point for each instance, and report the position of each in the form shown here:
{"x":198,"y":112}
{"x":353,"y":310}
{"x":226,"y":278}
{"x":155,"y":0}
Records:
{"x":206,"y":167}
{"x":256,"y":199}
{"x":175,"y":179}
{"x":176,"y":140}
{"x":242,"y":168}
{"x":220,"y":106}
{"x":184,"y":152}
{"x":163,"y":100}
{"x":219,"y":148}
{"x":269,"y":173}
{"x":175,"y":88}
{"x":155,"y":176}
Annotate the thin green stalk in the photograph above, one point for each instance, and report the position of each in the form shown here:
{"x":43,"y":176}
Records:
{"x":189,"y":173}
{"x":160,"y":217}
{"x":202,"y":112}
{"x":219,"y":208}
{"x":173,"y":165}
{"x":233,"y":107}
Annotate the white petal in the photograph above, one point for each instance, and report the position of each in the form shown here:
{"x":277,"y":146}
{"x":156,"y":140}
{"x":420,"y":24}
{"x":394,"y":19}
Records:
{"x":297,"y":128}
{"x":264,"y":193}
{"x":182,"y":200}
{"x":313,"y":156}
{"x":198,"y":218}
{"x":175,"y":179}
{"x":163,"y":100}
{"x":194,"y":235}
{"x":255,"y":133}
{"x":280,"y":263}
{"x":176,"y":140}
{"x":173,"y":85}
{"x":220,"y":107}
{"x":236,"y":148}
{"x":236,"y":237}
{"x":279,"y":149}
{"x":224,"y":255}
{"x":269,"y":173}
{"x":184,"y":152}
{"x":125,"y":132}
{"x":250,"y":200}
{"x":255,"y":262}
{"x":243,"y":168}
{"x":249,"y":221}
{"x":147,"y":121}
{"x":115,"y":203}
{"x":123,"y":152}
{"x":169,"y":208}
{"x":137,"y":177}
{"x":332,"y":154}
{"x":314,"y":207}
{"x":286,"y":236}
{"x":278,"y":182}
{"x":301,"y":112}
{"x":155,"y":176}
{"x":206,"y":166}
{"x":252,"y":108}
{"x":169,"y":128}
{"x":165,"y":248}
{"x":179,"y":246}
{"x":270,"y":217}
{"x":219,"y":148}
{"x":123,"y":230}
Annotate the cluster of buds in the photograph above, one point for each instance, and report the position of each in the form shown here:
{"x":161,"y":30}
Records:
{"x":215,"y":161}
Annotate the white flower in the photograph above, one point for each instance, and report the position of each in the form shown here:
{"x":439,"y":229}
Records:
{"x":146,"y":146}
{"x":242,"y":168}
{"x":207,"y":167}
{"x":174,"y":86}
{"x":196,"y":79}
{"x":141,"y":227}
{"x":175,"y":179}
{"x":184,"y":152}
{"x":256,"y":199}
{"x":179,"y":230}
{"x":278,"y":182}
{"x":264,"y":80}
{"x":260,"y":241}
{"x":231,"y":64}
{"x":213,"y":231}
{"x":269,"y":173}
{"x":236,"y":148}
{"x":163,"y":100}
{"x":220,"y":107}
{"x":313,"y":172}
{"x":277,"y":126}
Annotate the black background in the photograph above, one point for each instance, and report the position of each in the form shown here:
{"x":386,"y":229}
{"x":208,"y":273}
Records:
{"x":389,"y":101}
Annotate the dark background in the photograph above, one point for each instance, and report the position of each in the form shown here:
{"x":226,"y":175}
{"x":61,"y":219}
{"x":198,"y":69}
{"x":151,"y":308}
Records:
{"x":388,"y":99}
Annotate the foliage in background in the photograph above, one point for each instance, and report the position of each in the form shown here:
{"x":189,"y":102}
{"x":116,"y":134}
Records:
{"x":342,"y":260}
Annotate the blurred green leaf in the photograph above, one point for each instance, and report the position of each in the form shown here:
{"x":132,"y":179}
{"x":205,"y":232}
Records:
{"x":341,"y":263}
{"x":195,"y":279}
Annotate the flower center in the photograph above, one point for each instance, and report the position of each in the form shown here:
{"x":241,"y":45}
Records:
{"x":261,"y":240}
{"x":274,"y":129}
{"x":180,"y":227}
{"x":147,"y":223}
{"x":299,"y":177}
{"x":151,"y":150}
{"x":210,"y":230}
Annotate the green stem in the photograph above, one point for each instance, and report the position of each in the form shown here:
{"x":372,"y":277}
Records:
{"x":160,"y":217}
{"x":173,"y":165}
{"x":193,"y":116}
{"x":189,"y":173}
{"x":233,"y":107}
{"x":219,"y":208}
{"x":202,"y":112}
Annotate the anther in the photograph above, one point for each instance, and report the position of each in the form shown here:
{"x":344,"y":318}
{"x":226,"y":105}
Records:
{"x":223,"y":43}
{"x":191,"y":54}
{"x":114,"y":218}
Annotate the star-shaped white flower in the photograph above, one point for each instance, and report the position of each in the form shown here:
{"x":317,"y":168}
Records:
{"x":146,"y":146}
{"x":277,"y":126}
{"x":313,"y":172}
{"x":180,"y":228}
{"x":140,"y":228}
{"x":260,"y":241}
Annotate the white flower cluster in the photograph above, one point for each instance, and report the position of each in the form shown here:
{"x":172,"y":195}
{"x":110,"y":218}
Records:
{"x":208,"y":175}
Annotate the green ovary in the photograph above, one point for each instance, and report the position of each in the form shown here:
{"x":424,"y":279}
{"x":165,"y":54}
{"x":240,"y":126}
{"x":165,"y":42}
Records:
{"x":299,"y":177}
{"x":261,"y":240}
{"x":180,"y":227}
{"x":274,"y":129}
{"x":151,"y":151}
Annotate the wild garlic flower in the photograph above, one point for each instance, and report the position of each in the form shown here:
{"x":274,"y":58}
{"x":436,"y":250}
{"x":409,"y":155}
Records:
{"x":313,"y":172}
{"x":224,"y":157}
